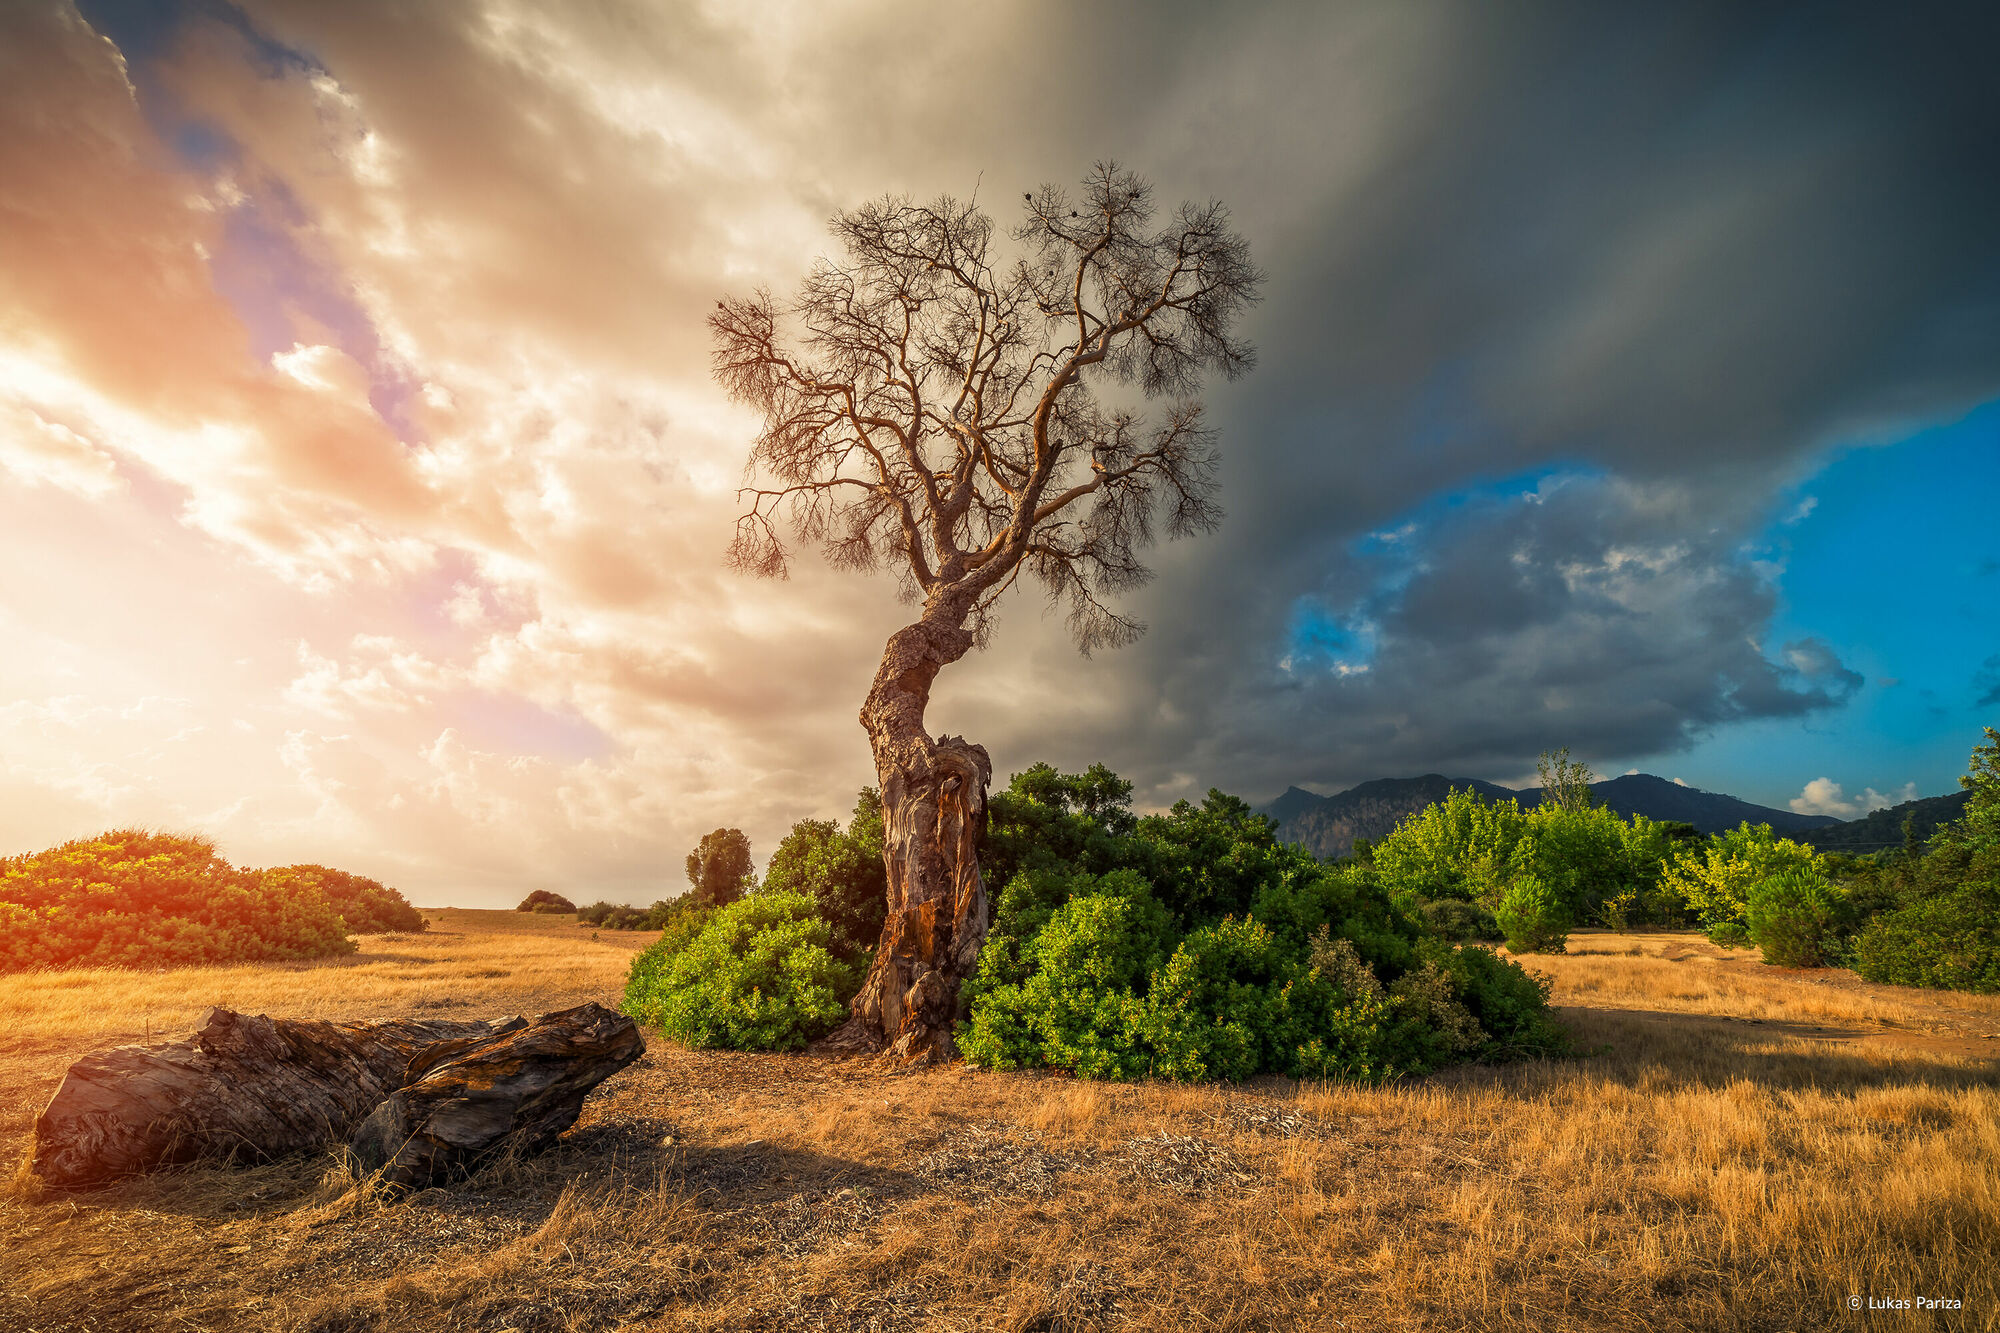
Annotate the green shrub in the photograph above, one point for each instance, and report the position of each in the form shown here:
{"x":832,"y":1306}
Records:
{"x":1714,"y":878}
{"x":1533,"y":917}
{"x":1453,"y":919}
{"x":1077,"y":1005}
{"x":1211,"y":1012}
{"x":754,"y":975}
{"x":1510,"y":1004}
{"x":1949,"y":940}
{"x":1730,"y":935}
{"x":1093,"y":967}
{"x":1798,"y":919}
{"x":623,"y":916}
{"x":841,"y":871}
{"x":368,"y":906}
{"x":1580,"y":853}
{"x":130,"y":898}
{"x":543,"y":900}
{"x":1460,"y":847}
{"x":1598,"y":865}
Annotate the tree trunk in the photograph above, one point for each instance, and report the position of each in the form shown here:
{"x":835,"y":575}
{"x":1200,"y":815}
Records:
{"x":465,"y":1100}
{"x":242,"y":1085}
{"x":933,"y":812}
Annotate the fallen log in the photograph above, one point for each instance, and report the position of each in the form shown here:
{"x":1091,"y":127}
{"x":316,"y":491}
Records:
{"x":522,"y":1089}
{"x":242,"y":1087}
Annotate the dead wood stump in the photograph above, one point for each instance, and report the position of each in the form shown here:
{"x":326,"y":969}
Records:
{"x":523,"y":1088}
{"x":243,"y":1086}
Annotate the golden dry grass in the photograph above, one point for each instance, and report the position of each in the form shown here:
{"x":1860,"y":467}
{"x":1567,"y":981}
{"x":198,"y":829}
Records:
{"x":1681,"y":972}
{"x":467,"y":957}
{"x":1694,"y":1169}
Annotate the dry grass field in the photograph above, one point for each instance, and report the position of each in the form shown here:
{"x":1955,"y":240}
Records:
{"x":1735,"y":1147}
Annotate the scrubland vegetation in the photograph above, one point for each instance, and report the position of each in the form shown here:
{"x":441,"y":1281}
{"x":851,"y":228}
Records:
{"x":1210,"y":1082}
{"x":132,"y":898}
{"x":1193,"y":945}
{"x":1688,"y":1168}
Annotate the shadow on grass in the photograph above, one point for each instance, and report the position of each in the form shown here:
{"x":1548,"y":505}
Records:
{"x":519,"y":1191}
{"x":1665,"y":1051}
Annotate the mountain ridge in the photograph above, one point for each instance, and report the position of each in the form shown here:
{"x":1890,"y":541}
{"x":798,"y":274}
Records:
{"x":1328,"y":825}
{"x":1882,"y":830}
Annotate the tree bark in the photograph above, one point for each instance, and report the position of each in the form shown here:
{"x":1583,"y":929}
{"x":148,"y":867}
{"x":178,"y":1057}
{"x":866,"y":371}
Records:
{"x":242,"y":1085}
{"x":933,"y":812}
{"x":465,"y":1100}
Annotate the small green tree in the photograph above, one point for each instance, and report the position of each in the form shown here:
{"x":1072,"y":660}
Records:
{"x":1565,"y":782}
{"x":719,"y":867}
{"x":1533,"y":916}
{"x":1798,"y":919}
{"x":1460,"y":847}
{"x":1977,"y":831}
{"x":1714,"y":880}
{"x":545,"y":901}
{"x":839,"y":870}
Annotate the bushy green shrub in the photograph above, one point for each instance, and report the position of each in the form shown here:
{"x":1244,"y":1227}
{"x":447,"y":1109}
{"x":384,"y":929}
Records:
{"x":624,"y":916}
{"x":1579,"y":853}
{"x":1948,"y":940}
{"x":1798,"y":919}
{"x":755,"y":974}
{"x":1510,"y":1004}
{"x":1599,"y":866}
{"x":1714,"y":877}
{"x":1073,"y":1002}
{"x":130,"y":898}
{"x":1533,"y":917}
{"x":546,"y":901}
{"x":368,"y":906}
{"x":1928,"y":913}
{"x":1194,"y":945}
{"x":1457,"y":920}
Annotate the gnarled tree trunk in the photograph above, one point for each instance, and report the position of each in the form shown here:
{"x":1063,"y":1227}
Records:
{"x":242,"y":1085}
{"x":933,"y":812}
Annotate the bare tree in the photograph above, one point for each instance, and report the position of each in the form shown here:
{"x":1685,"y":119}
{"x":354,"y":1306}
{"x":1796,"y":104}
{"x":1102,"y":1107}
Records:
{"x":934,"y":410}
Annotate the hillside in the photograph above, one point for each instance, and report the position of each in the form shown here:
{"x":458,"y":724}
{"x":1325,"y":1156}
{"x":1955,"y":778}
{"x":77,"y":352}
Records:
{"x":1711,"y":812}
{"x":1883,"y":829}
{"x":1328,"y":825}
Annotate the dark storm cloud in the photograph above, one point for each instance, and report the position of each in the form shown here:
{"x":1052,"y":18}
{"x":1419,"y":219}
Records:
{"x":1677,"y":252}
{"x":1562,"y":299}
{"x":1681,"y":253}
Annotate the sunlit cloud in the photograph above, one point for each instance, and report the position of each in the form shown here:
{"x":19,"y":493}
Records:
{"x":354,"y":398}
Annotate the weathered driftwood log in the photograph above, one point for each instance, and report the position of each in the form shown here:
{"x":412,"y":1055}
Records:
{"x":243,"y":1086}
{"x":525,"y":1087}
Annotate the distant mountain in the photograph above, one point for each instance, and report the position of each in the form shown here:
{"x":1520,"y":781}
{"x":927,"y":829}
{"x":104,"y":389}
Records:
{"x":1295,"y":802}
{"x":1711,"y":812}
{"x":1328,"y":825}
{"x":1883,"y":829}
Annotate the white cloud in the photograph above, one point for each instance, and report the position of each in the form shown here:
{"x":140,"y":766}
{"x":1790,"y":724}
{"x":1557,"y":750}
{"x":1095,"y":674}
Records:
{"x":40,"y":452}
{"x":1824,"y":796}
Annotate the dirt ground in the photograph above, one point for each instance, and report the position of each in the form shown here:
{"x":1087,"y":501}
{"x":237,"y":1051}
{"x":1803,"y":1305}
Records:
{"x":1734,"y":1147}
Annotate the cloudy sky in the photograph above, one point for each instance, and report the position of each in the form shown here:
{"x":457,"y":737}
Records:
{"x":1628,"y":381}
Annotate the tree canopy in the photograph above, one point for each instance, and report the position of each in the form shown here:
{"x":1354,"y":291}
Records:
{"x":719,"y":866}
{"x":936,"y":412}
